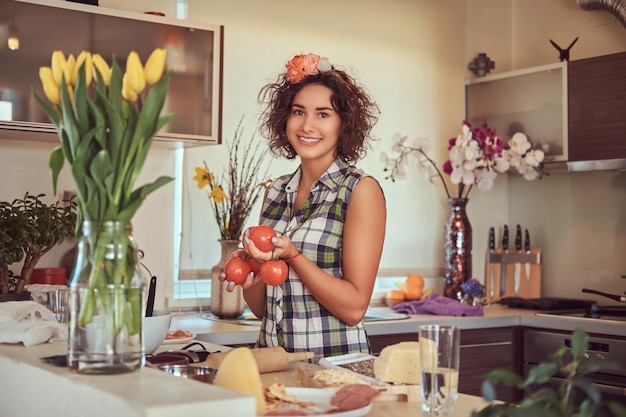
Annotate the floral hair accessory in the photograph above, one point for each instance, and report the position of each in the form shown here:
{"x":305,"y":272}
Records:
{"x":301,"y":66}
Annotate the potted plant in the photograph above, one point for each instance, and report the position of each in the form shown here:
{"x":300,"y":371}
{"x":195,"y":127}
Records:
{"x":29,"y":228}
{"x":575,"y":395}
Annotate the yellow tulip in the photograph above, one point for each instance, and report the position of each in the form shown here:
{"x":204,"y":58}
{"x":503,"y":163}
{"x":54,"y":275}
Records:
{"x":58,"y":66}
{"x":103,"y":67}
{"x":155,"y":65}
{"x":127,"y":92}
{"x":70,"y":92}
{"x":69,"y":72}
{"x":134,"y":76}
{"x":50,"y":88}
{"x":85,"y":57}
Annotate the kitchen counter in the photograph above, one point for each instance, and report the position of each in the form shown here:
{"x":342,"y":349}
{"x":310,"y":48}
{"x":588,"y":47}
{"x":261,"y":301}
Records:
{"x":228,"y":332}
{"x":30,"y":387}
{"x":463,"y":408}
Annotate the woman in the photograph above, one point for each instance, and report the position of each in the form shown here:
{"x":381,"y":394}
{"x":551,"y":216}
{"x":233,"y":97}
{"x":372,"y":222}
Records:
{"x":329,"y":216}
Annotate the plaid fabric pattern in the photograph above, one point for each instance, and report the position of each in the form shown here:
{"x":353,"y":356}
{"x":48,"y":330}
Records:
{"x":293,"y":317}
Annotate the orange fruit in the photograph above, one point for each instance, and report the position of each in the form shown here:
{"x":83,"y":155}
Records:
{"x":414,"y":287}
{"x":393,"y":297}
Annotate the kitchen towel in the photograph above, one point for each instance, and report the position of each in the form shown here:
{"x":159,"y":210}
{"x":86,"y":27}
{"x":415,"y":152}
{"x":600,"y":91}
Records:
{"x":30,"y":323}
{"x":438,"y":305}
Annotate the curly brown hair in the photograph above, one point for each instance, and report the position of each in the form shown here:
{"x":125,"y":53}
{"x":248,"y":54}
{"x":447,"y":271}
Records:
{"x":358,"y":113}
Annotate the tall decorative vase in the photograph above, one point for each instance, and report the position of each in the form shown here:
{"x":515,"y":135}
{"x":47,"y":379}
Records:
{"x":457,"y":249}
{"x":225,"y":304}
{"x":106,"y":293}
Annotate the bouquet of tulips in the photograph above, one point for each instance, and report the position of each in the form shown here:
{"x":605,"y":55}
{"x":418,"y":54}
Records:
{"x":106,"y":121}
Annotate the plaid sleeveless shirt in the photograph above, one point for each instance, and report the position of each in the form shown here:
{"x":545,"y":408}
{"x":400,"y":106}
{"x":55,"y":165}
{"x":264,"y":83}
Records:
{"x":293,"y":318}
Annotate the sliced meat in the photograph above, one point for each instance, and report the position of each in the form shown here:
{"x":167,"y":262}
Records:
{"x":285,"y":412}
{"x":354,"y":396}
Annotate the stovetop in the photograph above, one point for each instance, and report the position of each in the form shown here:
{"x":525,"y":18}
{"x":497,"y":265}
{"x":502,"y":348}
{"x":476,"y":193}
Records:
{"x":594,"y":312}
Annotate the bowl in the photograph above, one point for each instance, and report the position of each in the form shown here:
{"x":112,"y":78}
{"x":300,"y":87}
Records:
{"x":198,"y":373}
{"x":155,"y":329}
{"x":167,"y":359}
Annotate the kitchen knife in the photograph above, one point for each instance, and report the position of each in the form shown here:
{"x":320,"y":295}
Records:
{"x":151,"y":294}
{"x":518,"y":265}
{"x":505,"y":249}
{"x":492,"y":249}
{"x":527,"y":249}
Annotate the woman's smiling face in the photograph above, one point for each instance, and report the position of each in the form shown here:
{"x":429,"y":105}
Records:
{"x":313,"y":125}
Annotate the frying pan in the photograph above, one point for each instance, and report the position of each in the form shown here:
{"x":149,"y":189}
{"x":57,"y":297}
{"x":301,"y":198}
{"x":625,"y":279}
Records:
{"x":616,"y":297}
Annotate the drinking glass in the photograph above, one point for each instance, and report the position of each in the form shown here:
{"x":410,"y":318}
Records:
{"x":439,"y":366}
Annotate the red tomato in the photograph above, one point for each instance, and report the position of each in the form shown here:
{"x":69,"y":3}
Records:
{"x":250,"y":229}
{"x":262,"y":237}
{"x":274,"y":272}
{"x":239,"y":253}
{"x":255,"y":266}
{"x":236,"y":270}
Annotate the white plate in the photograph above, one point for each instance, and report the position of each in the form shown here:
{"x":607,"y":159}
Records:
{"x":334,"y":362}
{"x":180,"y":340}
{"x":322,"y":397}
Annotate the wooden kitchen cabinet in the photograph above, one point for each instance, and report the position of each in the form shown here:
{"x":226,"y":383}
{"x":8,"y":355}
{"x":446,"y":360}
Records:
{"x":482,"y":350}
{"x":596,"y":102}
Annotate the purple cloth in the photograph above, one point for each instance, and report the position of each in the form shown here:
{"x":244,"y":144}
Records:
{"x":438,"y":305}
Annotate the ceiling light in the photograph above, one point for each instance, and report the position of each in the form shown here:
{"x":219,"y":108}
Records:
{"x":13,"y":41}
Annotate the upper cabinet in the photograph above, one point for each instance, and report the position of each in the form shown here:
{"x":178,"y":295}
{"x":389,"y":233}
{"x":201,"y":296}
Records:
{"x":194,"y":55}
{"x":597,"y":112}
{"x":571,"y":110}
{"x":532,"y":101}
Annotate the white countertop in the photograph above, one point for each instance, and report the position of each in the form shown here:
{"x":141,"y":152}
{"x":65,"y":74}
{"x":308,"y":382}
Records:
{"x":30,"y":387}
{"x":496,"y":315}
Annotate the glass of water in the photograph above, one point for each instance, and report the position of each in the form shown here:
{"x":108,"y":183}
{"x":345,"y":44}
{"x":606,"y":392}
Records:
{"x":439,"y":365}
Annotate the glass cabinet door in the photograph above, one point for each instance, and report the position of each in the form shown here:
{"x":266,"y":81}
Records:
{"x":532,"y":101}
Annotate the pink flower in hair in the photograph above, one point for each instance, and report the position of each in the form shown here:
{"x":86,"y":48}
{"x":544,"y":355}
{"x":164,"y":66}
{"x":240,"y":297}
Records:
{"x":301,"y":66}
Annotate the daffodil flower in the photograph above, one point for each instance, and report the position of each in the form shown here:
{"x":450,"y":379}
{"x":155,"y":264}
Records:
{"x":217,"y":194}
{"x":203,"y":176}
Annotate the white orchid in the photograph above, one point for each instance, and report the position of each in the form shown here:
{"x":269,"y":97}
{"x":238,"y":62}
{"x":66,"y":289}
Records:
{"x":477,"y":155}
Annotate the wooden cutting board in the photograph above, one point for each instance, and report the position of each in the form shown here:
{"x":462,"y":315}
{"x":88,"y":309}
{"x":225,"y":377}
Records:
{"x":272,"y":359}
{"x":388,"y":392}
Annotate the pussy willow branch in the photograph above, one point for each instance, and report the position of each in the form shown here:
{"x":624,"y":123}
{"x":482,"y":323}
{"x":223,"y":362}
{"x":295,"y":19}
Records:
{"x":243,"y":180}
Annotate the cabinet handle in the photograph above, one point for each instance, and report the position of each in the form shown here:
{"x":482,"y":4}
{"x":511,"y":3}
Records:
{"x":487,"y":344}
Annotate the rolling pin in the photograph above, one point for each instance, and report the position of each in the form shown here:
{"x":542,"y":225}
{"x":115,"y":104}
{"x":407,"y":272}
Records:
{"x":269,"y":359}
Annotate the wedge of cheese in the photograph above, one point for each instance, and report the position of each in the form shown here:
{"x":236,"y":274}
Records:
{"x":399,"y":364}
{"x":239,"y":372}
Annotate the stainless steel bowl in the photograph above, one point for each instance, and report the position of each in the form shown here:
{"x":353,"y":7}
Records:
{"x":199,"y":373}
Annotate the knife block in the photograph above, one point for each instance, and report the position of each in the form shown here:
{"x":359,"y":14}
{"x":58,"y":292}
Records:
{"x":503,"y":285}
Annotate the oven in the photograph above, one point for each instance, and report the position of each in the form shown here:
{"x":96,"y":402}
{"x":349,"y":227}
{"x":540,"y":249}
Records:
{"x":539,"y":344}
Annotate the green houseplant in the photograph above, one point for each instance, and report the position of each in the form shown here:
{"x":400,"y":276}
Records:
{"x":576,"y":395}
{"x":29,"y":228}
